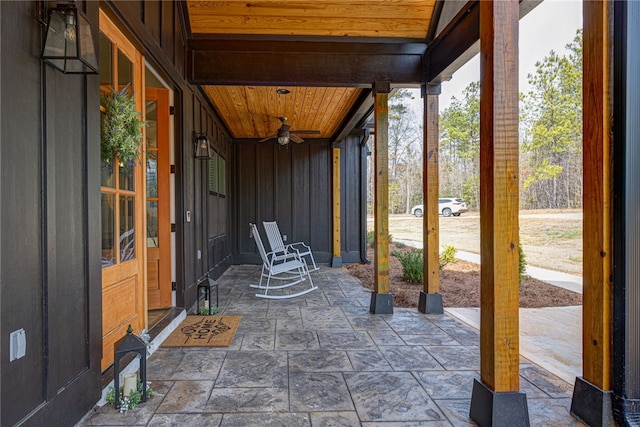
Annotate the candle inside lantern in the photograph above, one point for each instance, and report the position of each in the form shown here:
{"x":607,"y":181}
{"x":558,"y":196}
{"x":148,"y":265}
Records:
{"x":130,"y":384}
{"x":206,"y":304}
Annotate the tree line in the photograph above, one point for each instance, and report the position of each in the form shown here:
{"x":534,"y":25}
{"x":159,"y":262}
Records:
{"x":550,"y":139}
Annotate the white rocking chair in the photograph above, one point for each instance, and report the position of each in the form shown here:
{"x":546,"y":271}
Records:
{"x":282,"y":251}
{"x":292,"y":270}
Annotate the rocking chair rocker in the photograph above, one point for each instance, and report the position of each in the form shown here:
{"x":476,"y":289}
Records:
{"x":292,"y":250}
{"x":293,"y":270}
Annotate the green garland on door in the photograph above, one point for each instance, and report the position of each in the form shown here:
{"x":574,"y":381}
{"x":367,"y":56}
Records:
{"x":121,"y":130}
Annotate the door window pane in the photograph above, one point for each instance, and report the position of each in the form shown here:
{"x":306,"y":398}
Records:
{"x":152,"y":224}
{"x":127,"y":173}
{"x":108,"y":230}
{"x":106,"y":62}
{"x":152,"y":174}
{"x":127,"y":228}
{"x":125,"y":71}
{"x":107,"y":178}
{"x":151,"y":117}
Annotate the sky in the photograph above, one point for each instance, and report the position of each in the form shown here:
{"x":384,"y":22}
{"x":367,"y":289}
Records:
{"x":550,"y":26}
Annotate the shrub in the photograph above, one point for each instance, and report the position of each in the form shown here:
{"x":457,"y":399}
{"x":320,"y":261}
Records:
{"x":448,"y":255}
{"x":412,"y":264}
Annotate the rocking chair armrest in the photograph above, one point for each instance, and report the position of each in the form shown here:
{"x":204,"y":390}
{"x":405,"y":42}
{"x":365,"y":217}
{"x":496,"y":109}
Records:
{"x":280,"y":255}
{"x":293,"y":246}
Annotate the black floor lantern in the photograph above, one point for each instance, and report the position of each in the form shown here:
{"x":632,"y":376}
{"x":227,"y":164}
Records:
{"x":130,"y":343}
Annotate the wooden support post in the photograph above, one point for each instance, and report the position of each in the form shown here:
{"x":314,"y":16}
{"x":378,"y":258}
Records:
{"x":496,"y":399}
{"x":430,"y":298}
{"x":381,"y":299}
{"x":592,"y":392}
{"x":336,"y":261}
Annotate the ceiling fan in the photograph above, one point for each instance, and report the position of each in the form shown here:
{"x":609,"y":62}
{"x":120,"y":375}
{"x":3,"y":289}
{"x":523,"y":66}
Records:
{"x":284,"y":134}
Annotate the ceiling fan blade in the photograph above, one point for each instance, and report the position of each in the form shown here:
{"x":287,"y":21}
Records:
{"x":295,"y":138}
{"x":267,"y":138}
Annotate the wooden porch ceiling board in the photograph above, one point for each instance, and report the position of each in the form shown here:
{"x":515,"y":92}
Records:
{"x":326,"y":52}
{"x":253,"y":111}
{"x":353,"y":18}
{"x":314,"y":44}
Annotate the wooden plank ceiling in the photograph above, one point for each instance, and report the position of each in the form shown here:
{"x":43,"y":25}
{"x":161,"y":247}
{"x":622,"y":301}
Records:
{"x":343,"y":18}
{"x":252,"y":111}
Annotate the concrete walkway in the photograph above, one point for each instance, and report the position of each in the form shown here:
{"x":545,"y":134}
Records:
{"x":550,"y":337}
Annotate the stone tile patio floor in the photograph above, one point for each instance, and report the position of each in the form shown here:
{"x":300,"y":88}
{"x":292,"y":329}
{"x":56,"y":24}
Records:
{"x":322,"y":360}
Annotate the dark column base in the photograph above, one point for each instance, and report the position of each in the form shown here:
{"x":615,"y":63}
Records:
{"x":381,"y":304}
{"x":498,"y":409}
{"x":336,"y":262}
{"x":591,"y":404}
{"x":430,"y":303}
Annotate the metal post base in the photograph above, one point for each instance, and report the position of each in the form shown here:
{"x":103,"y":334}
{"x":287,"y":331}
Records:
{"x":591,"y":404}
{"x":498,"y":409}
{"x":336,"y":262}
{"x":381,"y":304}
{"x":430,"y":303}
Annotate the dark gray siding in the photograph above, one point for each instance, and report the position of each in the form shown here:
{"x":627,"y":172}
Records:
{"x":352,"y":207}
{"x":293,"y":185}
{"x":49,"y":269}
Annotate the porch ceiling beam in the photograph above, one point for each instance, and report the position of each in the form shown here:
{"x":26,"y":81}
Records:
{"x":356,"y":118}
{"x":460,"y":41}
{"x":304,"y":63}
{"x":455,"y":45}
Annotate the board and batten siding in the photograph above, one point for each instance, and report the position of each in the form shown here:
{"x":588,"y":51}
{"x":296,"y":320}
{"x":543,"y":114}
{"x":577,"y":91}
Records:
{"x":293,"y":186}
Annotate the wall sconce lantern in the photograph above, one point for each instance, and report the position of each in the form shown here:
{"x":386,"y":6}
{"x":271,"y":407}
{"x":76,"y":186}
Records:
{"x":202,"y":147}
{"x":130,"y":343}
{"x":69,"y":45}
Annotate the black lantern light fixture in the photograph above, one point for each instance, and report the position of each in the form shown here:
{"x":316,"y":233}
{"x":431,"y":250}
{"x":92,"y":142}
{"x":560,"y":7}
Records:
{"x":69,"y":45}
{"x":202,"y":147}
{"x":125,"y":345}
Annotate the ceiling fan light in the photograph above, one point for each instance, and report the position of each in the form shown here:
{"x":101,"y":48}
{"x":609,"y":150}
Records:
{"x":283,"y":140}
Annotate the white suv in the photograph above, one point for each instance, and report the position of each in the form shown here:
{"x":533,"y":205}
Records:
{"x":446,"y":207}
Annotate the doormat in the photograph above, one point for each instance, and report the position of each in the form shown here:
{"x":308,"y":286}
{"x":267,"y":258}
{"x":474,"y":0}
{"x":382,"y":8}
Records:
{"x":204,"y":331}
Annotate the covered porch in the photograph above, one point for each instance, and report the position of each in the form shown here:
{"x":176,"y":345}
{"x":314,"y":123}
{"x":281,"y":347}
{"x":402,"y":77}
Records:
{"x":324,"y":359}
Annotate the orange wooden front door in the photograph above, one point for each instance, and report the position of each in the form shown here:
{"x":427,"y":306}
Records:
{"x":122,"y":193}
{"x":158,"y":199}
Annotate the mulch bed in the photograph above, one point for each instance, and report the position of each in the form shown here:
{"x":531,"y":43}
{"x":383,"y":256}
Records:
{"x":460,"y":286}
